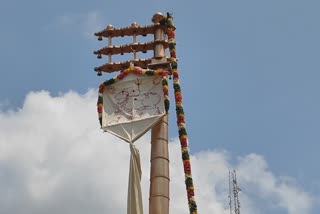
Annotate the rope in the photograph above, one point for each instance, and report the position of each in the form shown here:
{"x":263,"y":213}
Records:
{"x":183,"y":137}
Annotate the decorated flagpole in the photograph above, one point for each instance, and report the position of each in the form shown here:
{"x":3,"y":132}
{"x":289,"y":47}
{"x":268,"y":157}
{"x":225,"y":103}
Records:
{"x":159,"y":174}
{"x":158,"y":65}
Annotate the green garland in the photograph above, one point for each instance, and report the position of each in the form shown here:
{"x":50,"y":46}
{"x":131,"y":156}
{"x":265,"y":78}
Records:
{"x":183,"y":137}
{"x":138,"y":71}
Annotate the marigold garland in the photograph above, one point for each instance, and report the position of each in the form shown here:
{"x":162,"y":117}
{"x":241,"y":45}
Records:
{"x":138,"y":71}
{"x":183,"y":137}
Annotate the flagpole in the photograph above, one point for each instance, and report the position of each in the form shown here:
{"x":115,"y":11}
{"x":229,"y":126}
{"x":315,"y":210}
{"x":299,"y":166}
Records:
{"x":159,"y":172}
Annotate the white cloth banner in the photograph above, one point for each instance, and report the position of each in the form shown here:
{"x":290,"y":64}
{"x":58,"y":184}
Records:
{"x":134,"y":188}
{"x":132,"y":106}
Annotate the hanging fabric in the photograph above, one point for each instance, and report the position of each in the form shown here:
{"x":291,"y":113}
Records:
{"x":128,"y":106}
{"x":134,"y":188}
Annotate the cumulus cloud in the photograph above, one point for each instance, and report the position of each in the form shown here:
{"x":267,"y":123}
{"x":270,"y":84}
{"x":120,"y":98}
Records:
{"x":54,"y":159}
{"x":253,"y":170}
{"x":86,"y":23}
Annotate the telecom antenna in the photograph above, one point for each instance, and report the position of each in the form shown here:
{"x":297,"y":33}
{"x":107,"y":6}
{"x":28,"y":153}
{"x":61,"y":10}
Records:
{"x":234,"y":190}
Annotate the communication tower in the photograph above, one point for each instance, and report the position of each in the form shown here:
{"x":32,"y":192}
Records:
{"x":234,"y":190}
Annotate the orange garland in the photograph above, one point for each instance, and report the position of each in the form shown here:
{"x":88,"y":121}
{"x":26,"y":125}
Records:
{"x":183,"y":137}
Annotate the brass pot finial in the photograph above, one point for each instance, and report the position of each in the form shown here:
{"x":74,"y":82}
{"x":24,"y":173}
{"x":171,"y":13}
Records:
{"x":157,"y":17}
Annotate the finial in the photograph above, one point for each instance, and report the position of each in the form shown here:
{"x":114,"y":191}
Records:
{"x":134,"y":24}
{"x":109,"y":27}
{"x":157,"y":17}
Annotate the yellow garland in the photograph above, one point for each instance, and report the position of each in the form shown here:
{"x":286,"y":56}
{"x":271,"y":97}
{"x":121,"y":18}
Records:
{"x":180,"y":116}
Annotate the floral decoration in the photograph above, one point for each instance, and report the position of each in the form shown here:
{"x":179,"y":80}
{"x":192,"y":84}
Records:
{"x":183,"y":137}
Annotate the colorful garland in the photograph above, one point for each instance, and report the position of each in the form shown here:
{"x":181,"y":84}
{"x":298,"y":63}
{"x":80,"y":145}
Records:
{"x":180,"y":114}
{"x":138,"y":71}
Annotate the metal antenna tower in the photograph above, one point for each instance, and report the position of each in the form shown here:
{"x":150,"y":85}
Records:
{"x":234,"y":190}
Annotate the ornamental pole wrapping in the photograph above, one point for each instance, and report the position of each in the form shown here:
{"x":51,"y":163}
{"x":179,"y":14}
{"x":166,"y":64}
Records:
{"x":159,"y":173}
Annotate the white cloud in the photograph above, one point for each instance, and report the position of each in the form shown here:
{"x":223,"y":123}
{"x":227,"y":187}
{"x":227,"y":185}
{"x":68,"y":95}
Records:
{"x":86,"y":23}
{"x":54,"y":159}
{"x":253,"y":171}
{"x":92,"y":23}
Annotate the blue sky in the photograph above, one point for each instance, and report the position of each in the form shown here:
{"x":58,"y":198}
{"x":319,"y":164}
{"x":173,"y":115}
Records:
{"x":249,"y":69}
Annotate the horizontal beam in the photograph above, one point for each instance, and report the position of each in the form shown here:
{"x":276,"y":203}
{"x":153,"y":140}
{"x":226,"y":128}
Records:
{"x":118,"y":66}
{"x":130,"y":48}
{"x":128,"y":31}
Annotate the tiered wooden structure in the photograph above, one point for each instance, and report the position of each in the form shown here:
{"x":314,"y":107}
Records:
{"x":158,"y":45}
{"x":159,"y":173}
